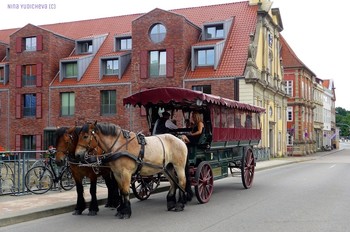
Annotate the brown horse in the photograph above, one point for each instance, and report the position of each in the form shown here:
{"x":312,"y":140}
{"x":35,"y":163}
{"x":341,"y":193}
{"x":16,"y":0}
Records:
{"x":128,"y":153}
{"x":66,"y":141}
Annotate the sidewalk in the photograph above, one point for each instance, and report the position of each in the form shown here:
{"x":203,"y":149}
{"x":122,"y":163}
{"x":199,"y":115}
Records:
{"x":17,"y":209}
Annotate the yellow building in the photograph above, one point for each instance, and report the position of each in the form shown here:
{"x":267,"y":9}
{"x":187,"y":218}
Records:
{"x":263,"y":83}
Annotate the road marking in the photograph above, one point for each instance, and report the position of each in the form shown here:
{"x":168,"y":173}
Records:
{"x":332,"y":166}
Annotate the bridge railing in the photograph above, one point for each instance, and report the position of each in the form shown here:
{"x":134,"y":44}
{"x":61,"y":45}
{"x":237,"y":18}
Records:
{"x":13,"y":167}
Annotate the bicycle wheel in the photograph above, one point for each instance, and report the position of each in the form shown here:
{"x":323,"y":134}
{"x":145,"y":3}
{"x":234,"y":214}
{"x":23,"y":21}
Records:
{"x":66,"y":179}
{"x":39,"y":180}
{"x":7,"y":183}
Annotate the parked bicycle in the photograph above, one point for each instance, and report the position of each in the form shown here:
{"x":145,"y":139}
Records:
{"x":42,"y":178}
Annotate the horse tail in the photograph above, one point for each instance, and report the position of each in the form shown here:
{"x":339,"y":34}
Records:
{"x":188,"y":188}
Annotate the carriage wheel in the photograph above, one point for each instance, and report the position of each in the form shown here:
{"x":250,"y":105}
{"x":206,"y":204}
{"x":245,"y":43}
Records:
{"x":248,"y":168}
{"x":142,"y":187}
{"x":205,"y":182}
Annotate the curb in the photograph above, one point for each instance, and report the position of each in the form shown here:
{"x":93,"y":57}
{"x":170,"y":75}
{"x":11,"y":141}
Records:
{"x":59,"y":210}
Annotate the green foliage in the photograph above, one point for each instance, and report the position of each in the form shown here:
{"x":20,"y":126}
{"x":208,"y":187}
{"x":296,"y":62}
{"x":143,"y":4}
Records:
{"x":342,"y":119}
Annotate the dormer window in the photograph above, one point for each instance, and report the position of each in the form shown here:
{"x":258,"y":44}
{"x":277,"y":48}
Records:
{"x":207,"y":54}
{"x":111,"y":67}
{"x":85,"y":47}
{"x":114,"y":66}
{"x":2,"y":74}
{"x":205,"y":57}
{"x":214,"y":31}
{"x":70,"y":69}
{"x":30,"y":44}
{"x":125,"y":44}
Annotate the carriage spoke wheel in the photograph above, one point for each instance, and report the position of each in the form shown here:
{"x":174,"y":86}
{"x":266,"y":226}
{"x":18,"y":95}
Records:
{"x":248,"y":168}
{"x":142,"y":187}
{"x":205,"y":180}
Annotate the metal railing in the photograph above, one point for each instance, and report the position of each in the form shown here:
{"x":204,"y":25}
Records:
{"x":13,"y":167}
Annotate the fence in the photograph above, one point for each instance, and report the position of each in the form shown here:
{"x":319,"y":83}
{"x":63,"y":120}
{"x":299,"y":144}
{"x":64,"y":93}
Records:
{"x":15,"y":164}
{"x":13,"y":167}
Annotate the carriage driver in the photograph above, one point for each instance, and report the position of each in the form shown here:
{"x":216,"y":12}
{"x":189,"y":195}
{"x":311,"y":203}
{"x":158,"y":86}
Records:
{"x":164,"y":124}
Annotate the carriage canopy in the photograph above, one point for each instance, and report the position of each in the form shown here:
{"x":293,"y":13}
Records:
{"x":228,"y":120}
{"x":184,"y":98}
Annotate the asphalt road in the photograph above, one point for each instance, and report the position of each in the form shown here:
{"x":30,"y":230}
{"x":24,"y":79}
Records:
{"x":307,"y":196}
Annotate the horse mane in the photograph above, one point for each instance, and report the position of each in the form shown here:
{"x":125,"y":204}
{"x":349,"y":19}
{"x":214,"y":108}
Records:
{"x":107,"y":128}
{"x":62,"y":130}
{"x":59,"y":133}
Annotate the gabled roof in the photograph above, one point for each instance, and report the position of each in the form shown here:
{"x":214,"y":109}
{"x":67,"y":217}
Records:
{"x":290,"y":59}
{"x":233,"y":59}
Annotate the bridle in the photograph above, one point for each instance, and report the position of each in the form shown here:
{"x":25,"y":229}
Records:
{"x":93,"y":137}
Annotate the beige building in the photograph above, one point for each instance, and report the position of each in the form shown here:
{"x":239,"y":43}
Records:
{"x":263,"y":83}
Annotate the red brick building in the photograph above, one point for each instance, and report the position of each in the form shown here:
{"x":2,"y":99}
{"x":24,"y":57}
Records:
{"x":68,"y":73}
{"x":300,"y":111}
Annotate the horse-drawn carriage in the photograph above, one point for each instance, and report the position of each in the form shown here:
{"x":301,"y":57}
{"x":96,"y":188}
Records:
{"x":231,"y":129}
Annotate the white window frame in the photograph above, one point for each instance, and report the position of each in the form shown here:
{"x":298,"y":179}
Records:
{"x":290,"y":113}
{"x":289,"y":88}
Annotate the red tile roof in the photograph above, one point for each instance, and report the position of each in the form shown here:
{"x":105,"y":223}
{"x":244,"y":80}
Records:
{"x":290,"y":59}
{"x":233,"y":59}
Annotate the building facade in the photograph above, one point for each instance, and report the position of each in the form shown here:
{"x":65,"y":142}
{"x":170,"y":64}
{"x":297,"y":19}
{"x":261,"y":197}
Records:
{"x":69,"y":73}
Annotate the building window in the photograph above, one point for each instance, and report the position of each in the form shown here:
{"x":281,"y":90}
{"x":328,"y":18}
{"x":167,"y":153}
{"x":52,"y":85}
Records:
{"x":202,"y":88}
{"x":279,"y":141}
{"x":270,"y":39}
{"x":205,"y":57}
{"x":289,"y":88}
{"x":111,"y":67}
{"x":49,"y":137}
{"x":29,"y":144}
{"x":108,"y":102}
{"x":29,"y":75}
{"x":157,"y":33}
{"x":67,"y":104}
{"x":29,"y":105}
{"x":71,"y":70}
{"x":289,"y":139}
{"x":2,"y":74}
{"x":157,"y":63}
{"x":30,"y":44}
{"x":85,"y":46}
{"x":125,"y":44}
{"x":289,"y":113}
{"x":215,"y":32}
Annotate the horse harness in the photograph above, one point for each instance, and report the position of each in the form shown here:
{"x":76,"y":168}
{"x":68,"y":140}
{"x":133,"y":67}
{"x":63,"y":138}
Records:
{"x":111,"y":156}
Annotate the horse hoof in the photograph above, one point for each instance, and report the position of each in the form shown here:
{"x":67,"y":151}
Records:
{"x":92,"y":213}
{"x":77,"y":212}
{"x":179,"y":207}
{"x":171,"y":205}
{"x":122,"y":216}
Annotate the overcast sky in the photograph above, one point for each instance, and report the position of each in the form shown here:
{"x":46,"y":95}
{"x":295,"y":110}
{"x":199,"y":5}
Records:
{"x":316,"y":30}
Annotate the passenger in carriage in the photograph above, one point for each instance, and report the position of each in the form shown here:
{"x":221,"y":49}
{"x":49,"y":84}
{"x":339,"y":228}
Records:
{"x":197,"y":129}
{"x":164,"y":124}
